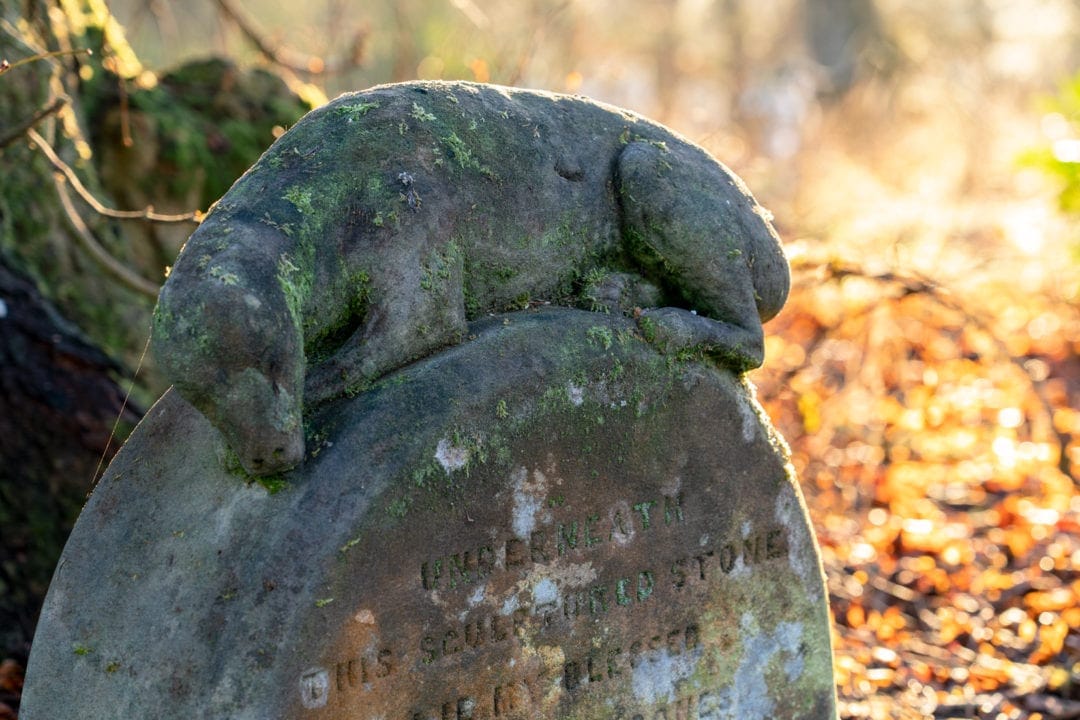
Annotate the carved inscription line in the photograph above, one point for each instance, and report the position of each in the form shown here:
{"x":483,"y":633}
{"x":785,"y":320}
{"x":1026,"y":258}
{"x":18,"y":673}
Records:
{"x":487,"y":629}
{"x":544,"y":546}
{"x":494,"y":627}
{"x":607,"y":663}
{"x":752,"y":550}
{"x":710,"y":704}
{"x":527,"y":692}
{"x":702,"y":565}
{"x":359,"y":671}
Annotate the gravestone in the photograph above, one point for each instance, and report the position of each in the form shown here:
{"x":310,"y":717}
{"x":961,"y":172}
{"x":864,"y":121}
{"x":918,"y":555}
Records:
{"x":554,"y":513}
{"x":582,"y":529}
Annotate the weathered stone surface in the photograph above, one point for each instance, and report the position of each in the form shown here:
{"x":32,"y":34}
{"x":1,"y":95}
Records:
{"x":373,"y":230}
{"x":549,"y":520}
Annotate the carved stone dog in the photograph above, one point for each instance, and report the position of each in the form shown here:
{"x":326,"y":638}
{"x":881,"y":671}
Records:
{"x":371,"y":232}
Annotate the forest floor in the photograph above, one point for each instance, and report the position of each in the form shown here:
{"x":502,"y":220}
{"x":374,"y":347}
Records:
{"x":937,"y":447}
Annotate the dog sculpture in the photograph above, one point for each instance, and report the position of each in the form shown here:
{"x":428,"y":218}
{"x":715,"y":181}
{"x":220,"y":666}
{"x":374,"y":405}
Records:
{"x":371,"y":232}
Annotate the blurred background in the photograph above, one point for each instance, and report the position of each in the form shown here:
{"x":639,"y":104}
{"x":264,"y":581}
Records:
{"x":922,"y":161}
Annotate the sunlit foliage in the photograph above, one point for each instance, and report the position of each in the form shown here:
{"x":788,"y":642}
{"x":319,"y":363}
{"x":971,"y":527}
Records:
{"x":937,"y":448}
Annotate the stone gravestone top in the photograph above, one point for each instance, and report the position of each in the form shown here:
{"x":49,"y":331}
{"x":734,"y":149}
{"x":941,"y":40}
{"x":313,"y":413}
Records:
{"x":584,"y":529}
{"x":565,"y":514}
{"x":372,"y":231}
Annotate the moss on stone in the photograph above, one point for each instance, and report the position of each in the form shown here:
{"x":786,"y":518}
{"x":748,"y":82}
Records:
{"x":440,"y":267}
{"x":226,"y":277}
{"x":600,"y":336}
{"x":296,"y":284}
{"x":352,"y":112}
{"x":300,"y":198}
{"x":463,"y":156}
{"x":421,"y":114}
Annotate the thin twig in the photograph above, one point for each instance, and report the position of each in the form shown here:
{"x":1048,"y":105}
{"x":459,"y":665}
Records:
{"x":925,"y":286}
{"x":99,"y":253}
{"x":19,"y":130}
{"x":94,"y":203}
{"x":530,"y":47}
{"x":5,"y":66}
{"x":901,"y":593}
{"x":281,"y":55}
{"x":119,"y":416}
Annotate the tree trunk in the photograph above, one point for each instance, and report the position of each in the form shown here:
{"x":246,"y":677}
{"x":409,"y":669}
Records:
{"x":58,"y":406}
{"x":67,"y":262}
{"x":58,"y":399}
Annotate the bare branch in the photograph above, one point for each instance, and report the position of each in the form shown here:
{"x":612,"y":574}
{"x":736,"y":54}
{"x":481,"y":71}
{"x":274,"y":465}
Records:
{"x":94,"y":203}
{"x":473,"y":13}
{"x":5,"y":66}
{"x":100,"y":254}
{"x":285,"y":57}
{"x":82,"y":232}
{"x":119,"y":416}
{"x":541,"y":26}
{"x":19,"y":130}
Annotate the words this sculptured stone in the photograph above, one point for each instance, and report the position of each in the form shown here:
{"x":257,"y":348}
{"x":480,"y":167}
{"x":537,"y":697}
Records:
{"x":574,"y":512}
